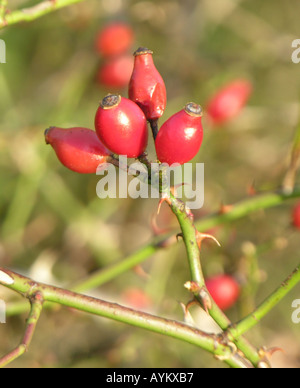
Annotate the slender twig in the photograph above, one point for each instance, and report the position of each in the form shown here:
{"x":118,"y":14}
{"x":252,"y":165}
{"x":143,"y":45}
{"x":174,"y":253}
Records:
{"x":252,"y":319}
{"x":238,"y":211}
{"x":3,"y":6}
{"x":36,"y":308}
{"x":29,"y":288}
{"x":35,"y":12}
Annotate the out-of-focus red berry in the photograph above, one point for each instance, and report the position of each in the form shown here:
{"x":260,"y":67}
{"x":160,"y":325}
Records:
{"x":180,"y":137}
{"x":121,"y":126}
{"x":137,"y":298}
{"x":116,"y":72}
{"x":296,"y":216}
{"x":146,"y":87}
{"x":229,"y":101}
{"x":224,"y":290}
{"x":78,"y":149}
{"x":114,"y":39}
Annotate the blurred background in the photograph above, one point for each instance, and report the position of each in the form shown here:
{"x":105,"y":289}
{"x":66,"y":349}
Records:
{"x":54,"y":228}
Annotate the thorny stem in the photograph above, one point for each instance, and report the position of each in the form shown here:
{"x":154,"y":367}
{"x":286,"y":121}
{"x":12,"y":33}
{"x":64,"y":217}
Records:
{"x":35,"y":12}
{"x":232,"y":333}
{"x":193,"y":252}
{"x":38,"y":292}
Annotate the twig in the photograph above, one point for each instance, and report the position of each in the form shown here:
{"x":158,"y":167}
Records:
{"x":35,"y":12}
{"x":252,"y":319}
{"x":25,"y":286}
{"x":36,"y":308}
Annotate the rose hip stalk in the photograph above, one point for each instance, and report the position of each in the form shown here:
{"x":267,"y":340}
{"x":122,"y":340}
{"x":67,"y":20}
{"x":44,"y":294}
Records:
{"x":121,"y":126}
{"x":78,"y":149}
{"x":180,"y":137}
{"x":229,"y":101}
{"x":146,"y":87}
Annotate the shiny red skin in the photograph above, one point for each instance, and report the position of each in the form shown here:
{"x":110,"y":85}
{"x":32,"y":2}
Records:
{"x":224,"y":290}
{"x":78,"y":149}
{"x":296,"y":216}
{"x":116,"y":72}
{"x":114,"y":39}
{"x":179,"y":138}
{"x":227,"y":103}
{"x":123,"y":129}
{"x":147,"y":88}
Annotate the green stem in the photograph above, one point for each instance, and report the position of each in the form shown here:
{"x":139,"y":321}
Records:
{"x":252,"y":319}
{"x":36,"y":301}
{"x":174,"y":329}
{"x":3,"y":6}
{"x":238,"y":211}
{"x":35,"y":12}
{"x":193,"y":253}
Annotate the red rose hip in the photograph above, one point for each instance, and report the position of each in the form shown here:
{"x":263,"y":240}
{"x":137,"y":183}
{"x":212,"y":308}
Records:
{"x":116,"y":72}
{"x":114,"y":39}
{"x":180,"y":137}
{"x":229,"y":101}
{"x":296,"y":216}
{"x":78,"y":149}
{"x":121,"y":126}
{"x":224,"y":290}
{"x":146,"y":87}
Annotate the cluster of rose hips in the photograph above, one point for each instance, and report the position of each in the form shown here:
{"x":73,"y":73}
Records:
{"x":113,"y":43}
{"x":122,"y":129}
{"x":121,"y":125}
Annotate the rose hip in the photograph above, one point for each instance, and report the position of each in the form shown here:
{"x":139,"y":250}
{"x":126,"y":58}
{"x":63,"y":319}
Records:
{"x":229,"y":101}
{"x":146,"y":87}
{"x":114,"y":39}
{"x":121,"y":126}
{"x":180,"y":137}
{"x":224,"y":290}
{"x":296,"y":216}
{"x":78,"y":149}
{"x":116,"y":72}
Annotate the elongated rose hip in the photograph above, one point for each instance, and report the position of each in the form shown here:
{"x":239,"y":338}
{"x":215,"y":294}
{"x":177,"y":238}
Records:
{"x":121,"y":126}
{"x":179,"y":138}
{"x":229,"y":101}
{"x":78,"y":149}
{"x":146,"y":87}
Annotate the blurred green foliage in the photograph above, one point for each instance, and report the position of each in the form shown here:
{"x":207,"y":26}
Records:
{"x":54,"y":228}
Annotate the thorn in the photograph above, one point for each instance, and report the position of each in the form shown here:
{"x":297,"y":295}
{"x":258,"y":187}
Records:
{"x":187,"y":315}
{"x":167,"y":242}
{"x":266,"y":354}
{"x":179,"y":235}
{"x":225,"y":209}
{"x":155,"y":228}
{"x":141,"y":272}
{"x":192,"y":286}
{"x":251,"y":190}
{"x":202,"y":236}
{"x":164,"y":198}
